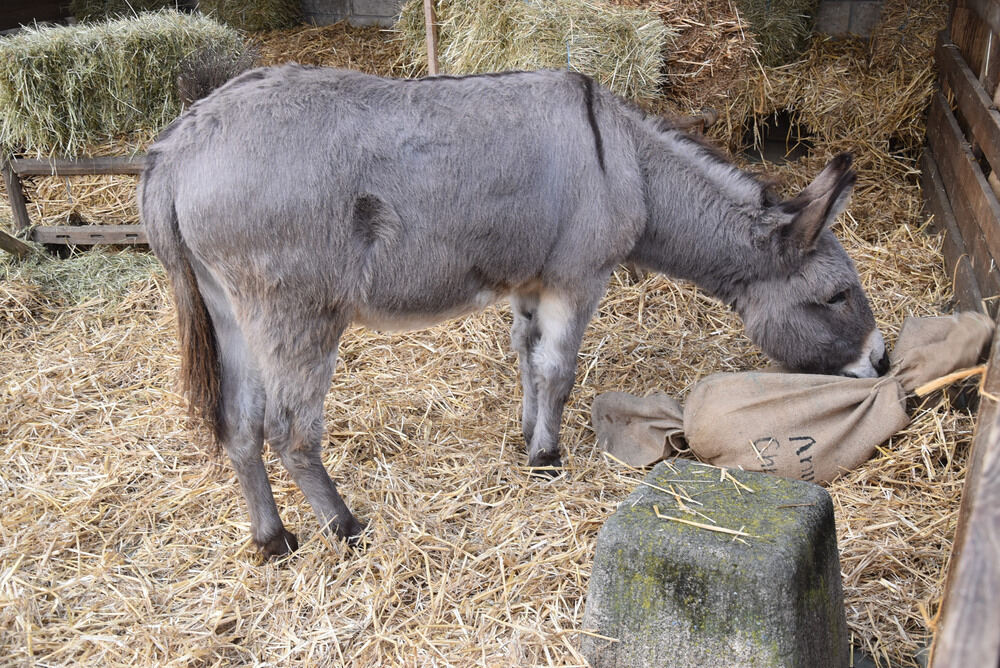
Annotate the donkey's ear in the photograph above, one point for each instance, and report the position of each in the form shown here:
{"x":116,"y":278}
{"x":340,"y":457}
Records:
{"x":819,"y":204}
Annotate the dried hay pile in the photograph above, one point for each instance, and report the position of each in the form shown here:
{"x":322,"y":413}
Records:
{"x":866,"y":96}
{"x":368,"y":49}
{"x":254,"y":15}
{"x":122,"y":543}
{"x":618,"y":46}
{"x":62,"y":88}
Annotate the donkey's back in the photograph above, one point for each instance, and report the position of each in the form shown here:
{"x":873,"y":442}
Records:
{"x":404,"y":199}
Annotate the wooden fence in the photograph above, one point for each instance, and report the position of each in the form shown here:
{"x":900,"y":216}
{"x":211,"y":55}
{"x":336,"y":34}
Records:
{"x":16,"y":168}
{"x":961,"y":189}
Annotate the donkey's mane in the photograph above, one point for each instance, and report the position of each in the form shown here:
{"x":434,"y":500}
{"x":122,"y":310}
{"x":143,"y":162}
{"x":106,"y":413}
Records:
{"x":712,"y":162}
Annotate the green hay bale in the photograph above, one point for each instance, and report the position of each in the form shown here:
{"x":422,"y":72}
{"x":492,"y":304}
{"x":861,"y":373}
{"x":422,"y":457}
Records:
{"x":62,"y":88}
{"x":254,"y":15}
{"x":100,"y":10}
{"x":620,"y":47}
{"x":781,"y":27}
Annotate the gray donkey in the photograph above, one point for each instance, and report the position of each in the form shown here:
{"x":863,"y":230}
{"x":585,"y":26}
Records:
{"x":293,"y":201}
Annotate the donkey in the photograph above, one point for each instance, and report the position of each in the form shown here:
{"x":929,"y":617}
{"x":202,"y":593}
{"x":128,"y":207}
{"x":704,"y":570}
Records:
{"x":295,"y":200}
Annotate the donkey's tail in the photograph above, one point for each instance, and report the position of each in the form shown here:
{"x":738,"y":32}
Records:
{"x":200,"y":372}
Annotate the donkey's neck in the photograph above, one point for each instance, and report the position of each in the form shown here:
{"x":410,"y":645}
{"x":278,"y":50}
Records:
{"x":703,"y":214}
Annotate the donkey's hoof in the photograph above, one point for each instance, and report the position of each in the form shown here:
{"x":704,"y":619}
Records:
{"x":545,"y":464}
{"x":358,"y":542}
{"x":282,"y":544}
{"x":353,"y":534}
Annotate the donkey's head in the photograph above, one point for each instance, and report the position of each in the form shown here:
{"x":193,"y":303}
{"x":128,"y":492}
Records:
{"x":810,"y":313}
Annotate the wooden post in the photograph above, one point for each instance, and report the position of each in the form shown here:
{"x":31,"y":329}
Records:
{"x":16,"y":196}
{"x":431,"y":24}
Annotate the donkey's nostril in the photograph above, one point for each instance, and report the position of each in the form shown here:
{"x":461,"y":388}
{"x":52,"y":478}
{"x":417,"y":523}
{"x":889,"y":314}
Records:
{"x":882,"y":365}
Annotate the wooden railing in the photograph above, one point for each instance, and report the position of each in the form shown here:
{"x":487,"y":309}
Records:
{"x":16,"y":168}
{"x":961,"y":179}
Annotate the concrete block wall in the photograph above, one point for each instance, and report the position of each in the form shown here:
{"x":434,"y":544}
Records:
{"x":357,"y":12}
{"x":841,"y":18}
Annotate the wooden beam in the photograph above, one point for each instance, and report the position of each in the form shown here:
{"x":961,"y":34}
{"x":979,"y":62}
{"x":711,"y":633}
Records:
{"x":13,"y":245}
{"x":976,"y":208}
{"x":956,"y":256}
{"x":968,"y":632}
{"x":973,"y":102}
{"x":78,"y":167}
{"x":15,"y":195}
{"x":85,"y":235}
{"x":971,"y":36}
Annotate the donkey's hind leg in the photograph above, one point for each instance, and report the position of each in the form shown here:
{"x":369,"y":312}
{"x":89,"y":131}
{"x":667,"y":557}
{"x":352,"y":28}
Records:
{"x":297,"y":377}
{"x":241,"y":416}
{"x":524,"y":335}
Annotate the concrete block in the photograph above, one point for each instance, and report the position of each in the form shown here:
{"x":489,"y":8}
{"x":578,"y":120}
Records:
{"x":674,"y":594}
{"x":325,"y":12}
{"x":383,"y":21}
{"x":864,"y":17}
{"x":833,"y":17}
{"x":841,"y":18}
{"x":384,"y":8}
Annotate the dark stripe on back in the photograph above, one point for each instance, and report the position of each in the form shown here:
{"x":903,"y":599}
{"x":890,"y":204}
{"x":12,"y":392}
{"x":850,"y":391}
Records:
{"x":588,"y":96}
{"x":461,"y":77}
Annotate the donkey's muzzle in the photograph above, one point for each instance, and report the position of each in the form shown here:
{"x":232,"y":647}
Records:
{"x":873,"y":360}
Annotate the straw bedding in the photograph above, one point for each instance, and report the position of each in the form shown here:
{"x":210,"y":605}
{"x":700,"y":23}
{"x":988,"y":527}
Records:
{"x":123,"y":542}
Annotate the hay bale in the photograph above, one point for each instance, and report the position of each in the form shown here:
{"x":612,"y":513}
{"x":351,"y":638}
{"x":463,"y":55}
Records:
{"x":64,"y":87}
{"x":254,"y":15}
{"x":620,"y":47}
{"x":781,"y":27}
{"x":100,"y":10}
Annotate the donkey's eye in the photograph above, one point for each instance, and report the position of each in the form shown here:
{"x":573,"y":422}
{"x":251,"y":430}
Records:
{"x":838,"y":298}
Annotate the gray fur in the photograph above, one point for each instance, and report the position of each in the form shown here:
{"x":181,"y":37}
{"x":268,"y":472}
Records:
{"x":304,"y":199}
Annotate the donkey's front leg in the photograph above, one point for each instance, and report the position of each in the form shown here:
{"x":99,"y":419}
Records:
{"x":561,"y":320}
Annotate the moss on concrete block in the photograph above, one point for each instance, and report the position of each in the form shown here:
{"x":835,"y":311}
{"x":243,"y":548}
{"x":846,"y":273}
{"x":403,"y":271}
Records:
{"x":673,"y":593}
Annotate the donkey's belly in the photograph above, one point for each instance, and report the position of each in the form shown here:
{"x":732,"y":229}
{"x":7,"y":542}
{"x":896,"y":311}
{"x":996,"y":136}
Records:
{"x":388,"y":320}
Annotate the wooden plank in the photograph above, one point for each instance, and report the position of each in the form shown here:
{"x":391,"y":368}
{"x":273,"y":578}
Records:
{"x":970,"y":35}
{"x":973,"y":102}
{"x":975,"y":244}
{"x":990,"y":73}
{"x":79,"y":167}
{"x":976,"y":207}
{"x":13,"y":245}
{"x":15,"y":195}
{"x":988,"y":12}
{"x":85,"y":235}
{"x":956,"y":258}
{"x":968,"y":631}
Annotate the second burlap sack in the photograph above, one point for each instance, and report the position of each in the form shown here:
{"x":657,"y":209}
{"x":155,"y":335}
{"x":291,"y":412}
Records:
{"x":810,"y":427}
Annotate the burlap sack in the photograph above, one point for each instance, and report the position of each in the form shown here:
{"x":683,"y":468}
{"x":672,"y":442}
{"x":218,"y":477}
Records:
{"x":929,"y":348}
{"x":638,"y":430}
{"x":803,"y":426}
{"x":809,"y":427}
